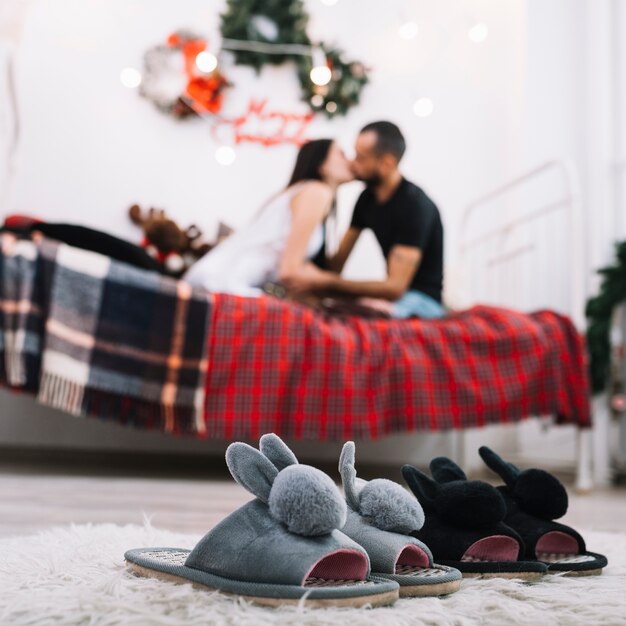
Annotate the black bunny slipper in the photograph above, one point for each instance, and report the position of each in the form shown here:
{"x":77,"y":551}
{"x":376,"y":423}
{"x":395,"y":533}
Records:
{"x":534,"y":498}
{"x":464,"y":524}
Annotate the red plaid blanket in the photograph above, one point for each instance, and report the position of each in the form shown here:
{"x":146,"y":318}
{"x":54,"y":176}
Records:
{"x":280,"y":367}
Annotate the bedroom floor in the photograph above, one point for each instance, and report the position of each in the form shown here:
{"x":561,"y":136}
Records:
{"x":35,"y":495}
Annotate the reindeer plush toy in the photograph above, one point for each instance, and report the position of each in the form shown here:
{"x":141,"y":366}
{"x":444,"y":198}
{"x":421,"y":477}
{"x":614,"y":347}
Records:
{"x":176,"y":249}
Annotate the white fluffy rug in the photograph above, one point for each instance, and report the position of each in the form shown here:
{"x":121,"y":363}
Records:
{"x":76,"y":575}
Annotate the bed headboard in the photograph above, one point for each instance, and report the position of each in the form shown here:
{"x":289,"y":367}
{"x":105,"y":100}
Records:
{"x":521,"y":246}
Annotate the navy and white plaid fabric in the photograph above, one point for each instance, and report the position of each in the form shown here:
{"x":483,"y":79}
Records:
{"x":116,"y":342}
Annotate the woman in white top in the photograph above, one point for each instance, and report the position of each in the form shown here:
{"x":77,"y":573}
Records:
{"x":285,"y":235}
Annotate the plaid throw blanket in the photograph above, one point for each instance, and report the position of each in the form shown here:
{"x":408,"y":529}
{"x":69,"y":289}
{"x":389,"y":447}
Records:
{"x":118,"y":342}
{"x":283,"y":368}
{"x":96,"y":337}
{"x":21,"y":322}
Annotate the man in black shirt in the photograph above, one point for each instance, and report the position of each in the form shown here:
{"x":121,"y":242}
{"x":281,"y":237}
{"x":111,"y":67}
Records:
{"x":407,"y":226}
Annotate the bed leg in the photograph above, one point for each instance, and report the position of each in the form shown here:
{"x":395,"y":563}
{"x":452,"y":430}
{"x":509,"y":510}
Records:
{"x":457,"y":446}
{"x":584,"y":481}
{"x":600,"y":441}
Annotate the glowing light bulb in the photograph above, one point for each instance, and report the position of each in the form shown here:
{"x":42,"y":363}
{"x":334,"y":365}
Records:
{"x":423,"y":107}
{"x":130,"y":77}
{"x":317,"y":100}
{"x":478,"y":33}
{"x":206,"y":62}
{"x":408,"y":30}
{"x":321,"y":75}
{"x":225,"y":155}
{"x":331,"y":107}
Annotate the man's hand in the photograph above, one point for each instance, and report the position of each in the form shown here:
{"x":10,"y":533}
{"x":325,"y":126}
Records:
{"x":309,"y":278}
{"x":377,"y":304}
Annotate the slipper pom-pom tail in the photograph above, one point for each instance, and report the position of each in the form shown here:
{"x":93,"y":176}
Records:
{"x":389,"y":506}
{"x":307,"y":501}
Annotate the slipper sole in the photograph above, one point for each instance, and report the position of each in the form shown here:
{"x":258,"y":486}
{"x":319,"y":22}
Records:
{"x":527,"y":571}
{"x":424,"y":591}
{"x":312,"y":596}
{"x":588,"y":564}
{"x":585,"y":572}
{"x":525,"y":576}
{"x":439,"y":580}
{"x":378,"y":599}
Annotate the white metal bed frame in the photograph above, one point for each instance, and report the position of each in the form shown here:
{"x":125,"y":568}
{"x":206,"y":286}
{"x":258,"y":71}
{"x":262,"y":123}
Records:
{"x":508,"y":251}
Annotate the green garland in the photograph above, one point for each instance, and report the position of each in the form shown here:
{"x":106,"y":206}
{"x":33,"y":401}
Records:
{"x":285,"y":22}
{"x":599,"y":313}
{"x":344,"y":89}
{"x":265,"y":21}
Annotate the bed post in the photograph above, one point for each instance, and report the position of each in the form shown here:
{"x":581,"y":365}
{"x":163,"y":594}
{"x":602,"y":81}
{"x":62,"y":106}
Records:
{"x":584,"y":482}
{"x":594,"y":444}
{"x":456,"y":440}
{"x":600,"y":440}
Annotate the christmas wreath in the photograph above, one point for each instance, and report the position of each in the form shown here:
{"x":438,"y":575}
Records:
{"x":269,"y":22}
{"x":276,"y":25}
{"x":599,"y":312}
{"x":344,"y":89}
{"x":182,"y":77}
{"x":174,"y":82}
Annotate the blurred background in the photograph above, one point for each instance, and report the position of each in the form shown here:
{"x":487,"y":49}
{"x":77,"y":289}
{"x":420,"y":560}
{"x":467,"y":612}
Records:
{"x":485,"y":91}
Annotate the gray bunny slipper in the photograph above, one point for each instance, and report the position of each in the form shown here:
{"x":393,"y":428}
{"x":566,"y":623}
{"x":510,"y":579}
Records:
{"x":281,"y":547}
{"x":380,"y":516}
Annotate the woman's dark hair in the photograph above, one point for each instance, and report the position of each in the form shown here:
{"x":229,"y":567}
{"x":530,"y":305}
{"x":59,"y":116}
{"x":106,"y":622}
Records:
{"x":310,"y":158}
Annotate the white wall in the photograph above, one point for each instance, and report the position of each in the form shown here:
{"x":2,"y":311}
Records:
{"x":575,"y":101}
{"x":89,"y":147}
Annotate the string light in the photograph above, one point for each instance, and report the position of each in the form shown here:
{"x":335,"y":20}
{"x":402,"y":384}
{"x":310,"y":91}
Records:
{"x":423,"y":107}
{"x":478,"y":33}
{"x":331,"y":106}
{"x":130,"y":77}
{"x":206,"y":62}
{"x":408,"y":30}
{"x":317,"y":100}
{"x":225,"y":155}
{"x":320,"y":74}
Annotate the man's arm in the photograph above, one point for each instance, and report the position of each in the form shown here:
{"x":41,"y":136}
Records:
{"x":338,"y":260}
{"x":401,"y":267}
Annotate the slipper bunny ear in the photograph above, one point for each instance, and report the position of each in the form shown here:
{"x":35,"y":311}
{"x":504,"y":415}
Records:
{"x":423,"y":486}
{"x":445,"y":470}
{"x":536,"y":491}
{"x":276,"y":450}
{"x":507,"y":471}
{"x":251,"y":469}
{"x":348,"y":475}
